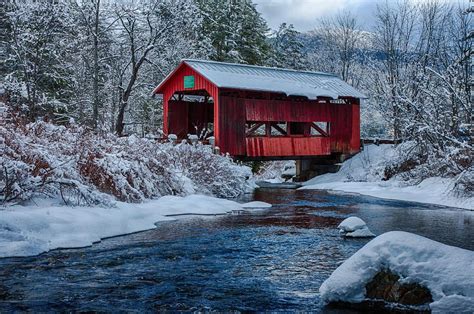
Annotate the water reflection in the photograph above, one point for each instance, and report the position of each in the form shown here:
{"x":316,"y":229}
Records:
{"x":267,"y":260}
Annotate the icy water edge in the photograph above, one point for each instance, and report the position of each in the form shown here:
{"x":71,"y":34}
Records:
{"x":270,"y":260}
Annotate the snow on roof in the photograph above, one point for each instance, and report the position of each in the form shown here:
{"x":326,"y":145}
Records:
{"x":258,"y":78}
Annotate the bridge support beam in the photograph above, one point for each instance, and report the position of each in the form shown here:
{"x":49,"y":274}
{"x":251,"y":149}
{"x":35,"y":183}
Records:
{"x":309,"y":168}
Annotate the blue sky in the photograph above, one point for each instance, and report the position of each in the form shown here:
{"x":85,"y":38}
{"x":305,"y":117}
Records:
{"x":303,"y":14}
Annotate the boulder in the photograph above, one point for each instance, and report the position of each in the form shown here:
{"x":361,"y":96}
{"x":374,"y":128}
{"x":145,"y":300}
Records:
{"x":387,"y":286}
{"x":354,"y":227}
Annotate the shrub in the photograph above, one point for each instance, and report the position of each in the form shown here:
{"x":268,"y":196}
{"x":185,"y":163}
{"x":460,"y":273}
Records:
{"x":80,"y":167}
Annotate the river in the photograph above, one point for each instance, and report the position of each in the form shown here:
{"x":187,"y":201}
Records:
{"x":272,"y":260}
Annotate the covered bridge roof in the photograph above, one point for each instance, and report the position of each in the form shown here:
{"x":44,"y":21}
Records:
{"x":259,"y":78}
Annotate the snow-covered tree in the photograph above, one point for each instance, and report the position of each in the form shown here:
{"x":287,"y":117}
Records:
{"x":152,"y":37}
{"x":236,"y":30}
{"x":340,"y":39}
{"x":40,"y":47}
{"x":287,"y":48}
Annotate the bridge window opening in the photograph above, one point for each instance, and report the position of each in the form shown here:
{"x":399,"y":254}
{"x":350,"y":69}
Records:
{"x":191,"y":115}
{"x":287,"y":129}
{"x":299,"y":128}
{"x":255,"y":129}
{"x":279,"y":129}
{"x":320,"y":129}
{"x":268,"y":129}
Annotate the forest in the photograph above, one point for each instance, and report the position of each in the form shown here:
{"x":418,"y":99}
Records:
{"x":103,"y":209}
{"x":84,"y":71}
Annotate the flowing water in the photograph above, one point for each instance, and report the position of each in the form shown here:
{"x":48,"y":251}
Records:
{"x":272,"y":259}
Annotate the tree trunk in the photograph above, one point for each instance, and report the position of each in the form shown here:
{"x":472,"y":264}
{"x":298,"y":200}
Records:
{"x":119,"y":125}
{"x":126,"y":95}
{"x":96,"y":68}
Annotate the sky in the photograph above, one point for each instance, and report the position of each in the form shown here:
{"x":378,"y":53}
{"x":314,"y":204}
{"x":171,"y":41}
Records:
{"x":303,"y":14}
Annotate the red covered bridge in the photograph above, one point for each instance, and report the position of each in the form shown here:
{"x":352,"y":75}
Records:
{"x":261,"y":113}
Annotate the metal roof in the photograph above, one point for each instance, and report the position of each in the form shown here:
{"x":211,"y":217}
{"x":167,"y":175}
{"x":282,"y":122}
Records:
{"x":290,"y":82}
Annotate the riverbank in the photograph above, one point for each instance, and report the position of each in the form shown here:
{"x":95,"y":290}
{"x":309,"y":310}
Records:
{"x":34,"y":229}
{"x":364,"y":174}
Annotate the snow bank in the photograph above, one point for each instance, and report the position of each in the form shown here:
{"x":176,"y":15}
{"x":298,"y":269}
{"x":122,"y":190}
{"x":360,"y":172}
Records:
{"x":363,"y":174}
{"x":447,"y":271}
{"x":354,"y":227}
{"x":30,"y":230}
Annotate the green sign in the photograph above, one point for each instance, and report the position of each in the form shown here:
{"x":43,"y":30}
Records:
{"x":189,"y":81}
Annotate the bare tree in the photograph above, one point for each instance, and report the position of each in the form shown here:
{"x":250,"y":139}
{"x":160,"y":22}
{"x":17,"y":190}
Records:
{"x":342,"y":35}
{"x":394,"y":34}
{"x":143,"y":30}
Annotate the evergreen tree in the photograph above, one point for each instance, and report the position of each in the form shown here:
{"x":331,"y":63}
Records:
{"x":236,"y":30}
{"x":40,"y":50}
{"x":288,"y":48}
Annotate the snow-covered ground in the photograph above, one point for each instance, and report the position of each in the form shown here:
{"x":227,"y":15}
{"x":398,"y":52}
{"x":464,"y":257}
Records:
{"x":447,"y":271}
{"x":363,"y":174}
{"x":33,"y":229}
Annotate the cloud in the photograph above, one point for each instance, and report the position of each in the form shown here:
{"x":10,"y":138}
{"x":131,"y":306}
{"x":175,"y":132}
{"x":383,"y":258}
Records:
{"x":301,"y":13}
{"x":304,"y":14}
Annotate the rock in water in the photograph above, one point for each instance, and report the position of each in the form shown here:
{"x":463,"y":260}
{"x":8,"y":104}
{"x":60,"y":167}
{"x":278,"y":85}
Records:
{"x":351,"y":224}
{"x":354,"y":227}
{"x":388,"y":287}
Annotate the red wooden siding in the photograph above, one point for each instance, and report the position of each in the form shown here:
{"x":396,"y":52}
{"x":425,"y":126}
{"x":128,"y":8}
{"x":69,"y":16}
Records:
{"x":287,"y":146}
{"x":287,"y":110}
{"x":232,"y":122}
{"x":355,"y":132}
{"x":178,"y":118}
{"x":345,"y":129}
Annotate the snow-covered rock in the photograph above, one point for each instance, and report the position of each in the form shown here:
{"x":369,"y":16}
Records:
{"x":354,"y":227}
{"x":351,"y":224}
{"x":447,"y":271}
{"x":360,"y":233}
{"x":256,"y":204}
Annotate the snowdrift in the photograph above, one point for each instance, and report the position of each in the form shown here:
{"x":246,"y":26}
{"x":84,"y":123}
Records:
{"x":31,"y":230}
{"x":365,"y":174}
{"x":448,"y":272}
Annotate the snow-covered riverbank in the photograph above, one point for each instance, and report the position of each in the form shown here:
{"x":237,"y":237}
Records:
{"x":31,"y":230}
{"x":364,"y":172}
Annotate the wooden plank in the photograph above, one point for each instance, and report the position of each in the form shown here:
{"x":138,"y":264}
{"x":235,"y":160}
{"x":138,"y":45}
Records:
{"x":268,"y":129}
{"x":252,"y":129}
{"x":178,"y":118}
{"x":355,"y":131}
{"x":287,"y":146}
{"x":279,"y":129}
{"x":318,"y":129}
{"x":231,"y":121}
{"x":287,"y":110}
